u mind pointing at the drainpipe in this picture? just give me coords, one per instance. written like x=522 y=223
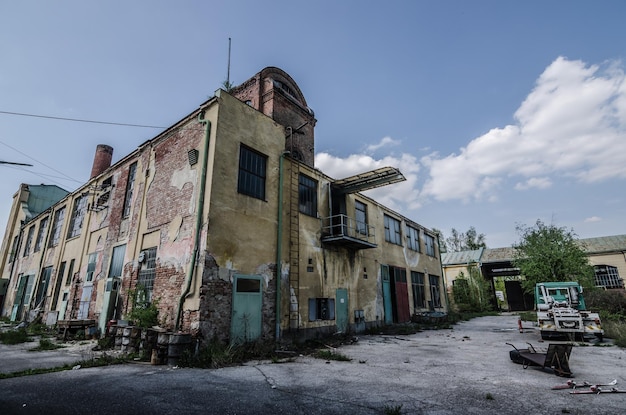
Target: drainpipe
x=279 y=243
x=199 y=214
x=443 y=274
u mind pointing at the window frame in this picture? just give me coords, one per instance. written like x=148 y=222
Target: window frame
x=41 y=233
x=413 y=238
x=418 y=289
x=435 y=290
x=147 y=272
x=607 y=276
x=395 y=236
x=252 y=174
x=128 y=194
x=29 y=240
x=78 y=215
x=57 y=226
x=429 y=242
x=321 y=309
x=360 y=217
x=307 y=195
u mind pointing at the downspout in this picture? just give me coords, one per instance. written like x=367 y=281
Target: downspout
x=443 y=274
x=199 y=215
x=279 y=244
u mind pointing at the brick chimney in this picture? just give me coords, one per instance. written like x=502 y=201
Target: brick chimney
x=101 y=160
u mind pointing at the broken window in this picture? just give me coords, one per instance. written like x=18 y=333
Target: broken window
x=252 y=173
x=57 y=224
x=147 y=272
x=435 y=291
x=417 y=285
x=130 y=185
x=70 y=271
x=392 y=231
x=14 y=247
x=91 y=266
x=607 y=276
x=78 y=214
x=29 y=240
x=413 y=238
x=41 y=234
x=321 y=309
x=307 y=195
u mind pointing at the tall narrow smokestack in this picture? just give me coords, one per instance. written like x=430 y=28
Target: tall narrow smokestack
x=101 y=160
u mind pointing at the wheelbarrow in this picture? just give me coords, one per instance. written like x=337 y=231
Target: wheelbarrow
x=555 y=359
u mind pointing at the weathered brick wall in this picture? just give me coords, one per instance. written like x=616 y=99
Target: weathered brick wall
x=215 y=303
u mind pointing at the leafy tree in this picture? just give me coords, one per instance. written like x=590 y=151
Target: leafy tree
x=442 y=243
x=465 y=241
x=549 y=253
x=472 y=292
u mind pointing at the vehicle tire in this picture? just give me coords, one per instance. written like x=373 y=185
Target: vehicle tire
x=600 y=337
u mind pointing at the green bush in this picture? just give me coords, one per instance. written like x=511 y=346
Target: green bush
x=15 y=336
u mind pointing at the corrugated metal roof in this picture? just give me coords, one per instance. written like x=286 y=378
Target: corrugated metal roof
x=462 y=257
x=615 y=243
x=498 y=255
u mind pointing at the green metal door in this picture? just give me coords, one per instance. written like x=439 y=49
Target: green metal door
x=384 y=271
x=245 y=324
x=341 y=310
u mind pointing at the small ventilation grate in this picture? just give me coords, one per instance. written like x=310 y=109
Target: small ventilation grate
x=193 y=156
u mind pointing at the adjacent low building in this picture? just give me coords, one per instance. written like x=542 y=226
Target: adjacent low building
x=607 y=254
x=223 y=222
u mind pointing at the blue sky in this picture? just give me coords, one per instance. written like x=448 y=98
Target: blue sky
x=498 y=112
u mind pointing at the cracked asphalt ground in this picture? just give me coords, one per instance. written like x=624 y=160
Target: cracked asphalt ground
x=464 y=370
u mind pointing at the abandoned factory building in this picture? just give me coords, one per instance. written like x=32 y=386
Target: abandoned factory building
x=223 y=222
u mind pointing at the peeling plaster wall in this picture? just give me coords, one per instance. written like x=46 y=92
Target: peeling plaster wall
x=242 y=230
x=358 y=271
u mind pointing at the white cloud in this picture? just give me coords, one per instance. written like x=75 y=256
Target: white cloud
x=384 y=142
x=573 y=124
x=403 y=194
x=534 y=182
x=593 y=219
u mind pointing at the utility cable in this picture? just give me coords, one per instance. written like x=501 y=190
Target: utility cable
x=79 y=120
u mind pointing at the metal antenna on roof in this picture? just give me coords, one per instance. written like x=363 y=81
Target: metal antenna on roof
x=228 y=72
x=227 y=85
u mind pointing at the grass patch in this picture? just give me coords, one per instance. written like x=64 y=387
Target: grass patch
x=489 y=397
x=15 y=337
x=330 y=355
x=45 y=344
x=103 y=360
x=528 y=316
x=217 y=354
x=615 y=330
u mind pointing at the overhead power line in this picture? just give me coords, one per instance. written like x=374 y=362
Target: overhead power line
x=21 y=114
